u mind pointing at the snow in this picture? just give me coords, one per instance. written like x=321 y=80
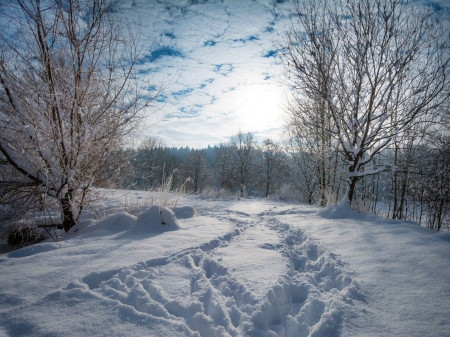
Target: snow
x=247 y=267
x=155 y=220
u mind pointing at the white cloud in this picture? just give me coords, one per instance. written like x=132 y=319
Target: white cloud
x=211 y=55
x=218 y=61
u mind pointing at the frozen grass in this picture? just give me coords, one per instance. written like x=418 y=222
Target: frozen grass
x=119 y=201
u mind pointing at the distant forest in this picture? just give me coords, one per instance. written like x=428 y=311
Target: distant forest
x=416 y=188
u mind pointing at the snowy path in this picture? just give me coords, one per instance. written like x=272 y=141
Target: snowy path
x=297 y=288
x=237 y=268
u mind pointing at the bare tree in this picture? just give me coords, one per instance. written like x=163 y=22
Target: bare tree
x=68 y=94
x=196 y=170
x=274 y=165
x=317 y=166
x=222 y=155
x=148 y=162
x=425 y=198
x=243 y=153
x=374 y=67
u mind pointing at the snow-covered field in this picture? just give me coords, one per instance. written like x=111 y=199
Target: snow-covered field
x=246 y=267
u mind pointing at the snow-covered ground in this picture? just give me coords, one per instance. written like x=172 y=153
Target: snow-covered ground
x=246 y=267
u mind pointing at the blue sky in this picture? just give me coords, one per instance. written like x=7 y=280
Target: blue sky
x=218 y=65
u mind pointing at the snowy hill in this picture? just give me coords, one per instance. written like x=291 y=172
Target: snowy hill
x=229 y=268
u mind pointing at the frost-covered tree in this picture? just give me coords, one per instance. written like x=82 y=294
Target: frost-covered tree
x=242 y=155
x=68 y=94
x=222 y=155
x=273 y=165
x=196 y=171
x=375 y=68
x=149 y=161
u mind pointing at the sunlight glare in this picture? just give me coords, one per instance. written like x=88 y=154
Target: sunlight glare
x=259 y=106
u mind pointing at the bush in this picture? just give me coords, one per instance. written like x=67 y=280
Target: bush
x=24 y=236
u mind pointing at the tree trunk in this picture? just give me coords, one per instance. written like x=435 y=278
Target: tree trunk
x=395 y=187
x=68 y=218
x=351 y=189
x=352 y=181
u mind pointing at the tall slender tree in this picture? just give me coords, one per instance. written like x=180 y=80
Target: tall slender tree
x=243 y=153
x=223 y=165
x=274 y=165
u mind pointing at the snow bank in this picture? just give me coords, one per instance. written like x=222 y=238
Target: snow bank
x=155 y=220
x=343 y=210
x=113 y=224
x=184 y=212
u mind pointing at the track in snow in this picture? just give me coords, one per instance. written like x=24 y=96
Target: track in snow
x=201 y=294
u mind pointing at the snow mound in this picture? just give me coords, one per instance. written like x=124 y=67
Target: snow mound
x=116 y=223
x=343 y=210
x=339 y=211
x=35 y=249
x=184 y=212
x=113 y=224
x=155 y=220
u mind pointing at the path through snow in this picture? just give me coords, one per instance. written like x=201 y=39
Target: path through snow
x=234 y=268
x=262 y=278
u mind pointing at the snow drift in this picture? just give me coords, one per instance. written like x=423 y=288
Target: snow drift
x=155 y=220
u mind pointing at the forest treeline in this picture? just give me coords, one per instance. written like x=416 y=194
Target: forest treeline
x=416 y=185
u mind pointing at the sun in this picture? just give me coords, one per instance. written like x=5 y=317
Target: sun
x=259 y=106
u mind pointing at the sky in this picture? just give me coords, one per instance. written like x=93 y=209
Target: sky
x=215 y=67
x=218 y=66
